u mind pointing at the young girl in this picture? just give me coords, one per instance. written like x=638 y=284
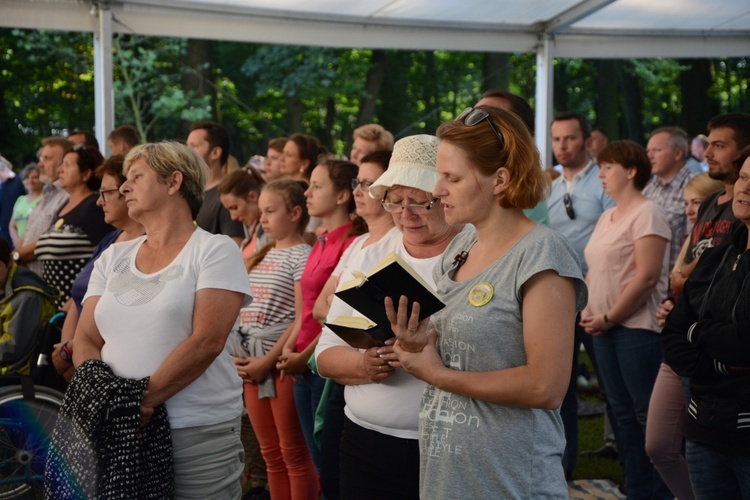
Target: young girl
x=239 y=192
x=330 y=198
x=274 y=273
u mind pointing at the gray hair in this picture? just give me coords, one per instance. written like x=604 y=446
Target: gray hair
x=678 y=139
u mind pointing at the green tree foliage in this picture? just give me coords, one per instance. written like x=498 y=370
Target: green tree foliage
x=46 y=80
x=148 y=89
x=262 y=91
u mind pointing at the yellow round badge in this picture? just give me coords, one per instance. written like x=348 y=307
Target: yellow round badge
x=60 y=223
x=480 y=294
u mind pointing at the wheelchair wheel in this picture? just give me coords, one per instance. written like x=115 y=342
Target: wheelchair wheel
x=25 y=429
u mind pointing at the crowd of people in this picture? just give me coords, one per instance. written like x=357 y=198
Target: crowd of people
x=196 y=292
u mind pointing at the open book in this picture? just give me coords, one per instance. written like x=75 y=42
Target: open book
x=391 y=277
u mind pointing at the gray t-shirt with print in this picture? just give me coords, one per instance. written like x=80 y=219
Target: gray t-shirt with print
x=470 y=448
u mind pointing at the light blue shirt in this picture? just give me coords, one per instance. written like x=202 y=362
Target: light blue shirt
x=589 y=202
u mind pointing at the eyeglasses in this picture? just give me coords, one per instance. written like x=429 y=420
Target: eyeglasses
x=364 y=183
x=568 y=202
x=473 y=116
x=104 y=193
x=416 y=208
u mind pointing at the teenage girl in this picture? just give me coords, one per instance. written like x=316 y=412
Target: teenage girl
x=329 y=197
x=239 y=192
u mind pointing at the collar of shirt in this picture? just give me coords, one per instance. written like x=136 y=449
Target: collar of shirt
x=50 y=188
x=335 y=234
x=677 y=180
x=572 y=182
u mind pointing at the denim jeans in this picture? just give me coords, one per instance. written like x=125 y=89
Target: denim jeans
x=629 y=361
x=717 y=475
x=307 y=391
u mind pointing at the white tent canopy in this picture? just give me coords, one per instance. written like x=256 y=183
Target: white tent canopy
x=550 y=28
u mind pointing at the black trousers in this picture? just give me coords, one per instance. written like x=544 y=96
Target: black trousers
x=377 y=466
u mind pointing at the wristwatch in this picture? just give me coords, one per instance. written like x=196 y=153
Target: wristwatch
x=16 y=256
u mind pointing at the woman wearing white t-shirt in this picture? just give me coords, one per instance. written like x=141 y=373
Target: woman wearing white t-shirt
x=162 y=306
x=379 y=445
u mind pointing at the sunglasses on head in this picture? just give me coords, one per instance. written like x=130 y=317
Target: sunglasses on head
x=473 y=116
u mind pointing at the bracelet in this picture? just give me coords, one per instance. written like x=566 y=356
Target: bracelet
x=65 y=353
x=606 y=320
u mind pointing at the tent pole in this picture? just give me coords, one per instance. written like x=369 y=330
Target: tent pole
x=544 y=84
x=103 y=92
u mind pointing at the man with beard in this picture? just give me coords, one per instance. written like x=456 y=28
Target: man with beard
x=576 y=201
x=728 y=135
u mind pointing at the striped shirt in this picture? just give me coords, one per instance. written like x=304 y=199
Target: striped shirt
x=66 y=247
x=272 y=283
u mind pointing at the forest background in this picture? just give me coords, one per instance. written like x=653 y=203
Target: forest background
x=260 y=91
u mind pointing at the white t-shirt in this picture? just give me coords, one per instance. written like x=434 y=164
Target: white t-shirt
x=391 y=407
x=142 y=318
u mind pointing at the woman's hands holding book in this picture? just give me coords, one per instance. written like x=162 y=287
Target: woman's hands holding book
x=410 y=332
x=426 y=364
x=374 y=364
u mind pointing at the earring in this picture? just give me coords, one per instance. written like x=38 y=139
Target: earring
x=301 y=170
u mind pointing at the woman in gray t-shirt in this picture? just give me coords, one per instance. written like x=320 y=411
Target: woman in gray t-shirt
x=497 y=357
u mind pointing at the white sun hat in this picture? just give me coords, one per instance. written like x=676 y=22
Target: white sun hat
x=413 y=164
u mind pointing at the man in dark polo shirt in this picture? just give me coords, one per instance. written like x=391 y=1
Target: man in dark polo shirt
x=211 y=142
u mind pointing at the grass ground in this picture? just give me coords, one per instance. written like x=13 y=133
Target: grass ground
x=591 y=437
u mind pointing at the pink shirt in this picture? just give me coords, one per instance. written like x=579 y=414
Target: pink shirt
x=610 y=255
x=323 y=258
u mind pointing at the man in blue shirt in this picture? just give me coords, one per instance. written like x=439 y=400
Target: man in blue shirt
x=575 y=204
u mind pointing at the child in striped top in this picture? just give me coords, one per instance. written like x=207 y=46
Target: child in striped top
x=264 y=326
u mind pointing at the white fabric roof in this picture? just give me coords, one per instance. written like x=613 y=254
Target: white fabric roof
x=579 y=28
x=550 y=28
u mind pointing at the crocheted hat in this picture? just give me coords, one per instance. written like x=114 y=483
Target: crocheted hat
x=413 y=164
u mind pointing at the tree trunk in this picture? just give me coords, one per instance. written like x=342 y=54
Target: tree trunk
x=326 y=135
x=698 y=107
x=294 y=111
x=430 y=92
x=607 y=98
x=560 y=88
x=198 y=72
x=373 y=86
x=496 y=71
x=395 y=114
x=632 y=114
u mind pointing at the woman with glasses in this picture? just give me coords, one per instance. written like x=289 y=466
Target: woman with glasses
x=115 y=211
x=66 y=247
x=379 y=450
x=496 y=360
x=628 y=266
x=330 y=198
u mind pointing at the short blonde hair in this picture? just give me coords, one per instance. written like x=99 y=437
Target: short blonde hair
x=372 y=132
x=167 y=157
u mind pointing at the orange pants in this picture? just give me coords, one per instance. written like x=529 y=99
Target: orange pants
x=291 y=473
